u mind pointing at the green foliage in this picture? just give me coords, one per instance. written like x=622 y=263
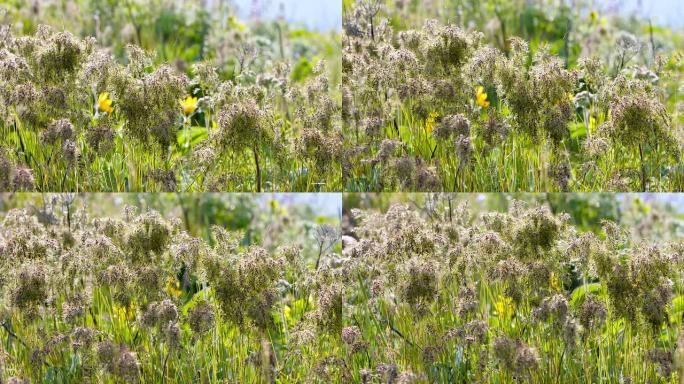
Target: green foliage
x=214 y=288
x=190 y=100
x=444 y=293
x=577 y=102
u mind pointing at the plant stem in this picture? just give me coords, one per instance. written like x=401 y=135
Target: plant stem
x=643 y=168
x=258 y=169
x=12 y=334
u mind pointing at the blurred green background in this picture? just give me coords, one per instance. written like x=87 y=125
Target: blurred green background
x=269 y=220
x=183 y=32
x=651 y=217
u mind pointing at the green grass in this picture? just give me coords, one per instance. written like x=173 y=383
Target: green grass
x=414 y=76
x=286 y=77
x=517 y=164
x=225 y=353
x=270 y=321
x=429 y=273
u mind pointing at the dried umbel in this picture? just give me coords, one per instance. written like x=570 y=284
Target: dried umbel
x=536 y=230
x=23 y=179
x=515 y=356
x=147 y=100
x=655 y=303
x=448 y=45
x=664 y=360
x=561 y=174
x=373 y=126
x=74 y=308
x=242 y=126
x=472 y=333
x=150 y=235
x=119 y=361
x=494 y=131
x=160 y=314
x=452 y=126
x=592 y=314
x=30 y=289
x=323 y=149
x=329 y=313
x=57 y=130
x=201 y=317
x=639 y=118
x=530 y=92
x=246 y=290
x=467 y=302
x=557 y=120
x=554 y=308
x=420 y=282
x=353 y=338
x=464 y=148
x=405 y=170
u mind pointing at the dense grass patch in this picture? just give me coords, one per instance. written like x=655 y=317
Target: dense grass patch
x=431 y=103
x=201 y=103
x=135 y=297
x=436 y=293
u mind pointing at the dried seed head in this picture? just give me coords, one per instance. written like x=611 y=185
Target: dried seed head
x=452 y=126
x=201 y=317
x=23 y=179
x=57 y=130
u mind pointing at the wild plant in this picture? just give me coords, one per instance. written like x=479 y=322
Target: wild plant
x=137 y=298
x=438 y=106
x=75 y=118
x=436 y=293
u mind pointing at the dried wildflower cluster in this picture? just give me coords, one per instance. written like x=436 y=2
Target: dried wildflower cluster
x=73 y=118
x=138 y=299
x=437 y=108
x=442 y=295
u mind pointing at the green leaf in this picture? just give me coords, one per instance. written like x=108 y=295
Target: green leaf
x=302 y=69
x=578 y=130
x=578 y=295
x=677 y=310
x=196 y=135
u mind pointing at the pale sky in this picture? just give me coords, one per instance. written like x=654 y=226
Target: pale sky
x=322 y=15
x=662 y=12
x=327 y=14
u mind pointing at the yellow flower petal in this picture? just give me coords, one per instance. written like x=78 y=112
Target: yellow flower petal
x=481 y=97
x=104 y=103
x=189 y=105
x=173 y=288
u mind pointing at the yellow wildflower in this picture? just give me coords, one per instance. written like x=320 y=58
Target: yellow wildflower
x=189 y=105
x=431 y=122
x=504 y=307
x=173 y=288
x=481 y=97
x=593 y=16
x=104 y=103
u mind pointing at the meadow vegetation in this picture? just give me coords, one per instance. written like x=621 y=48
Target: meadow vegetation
x=183 y=99
x=135 y=297
x=437 y=292
x=508 y=96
